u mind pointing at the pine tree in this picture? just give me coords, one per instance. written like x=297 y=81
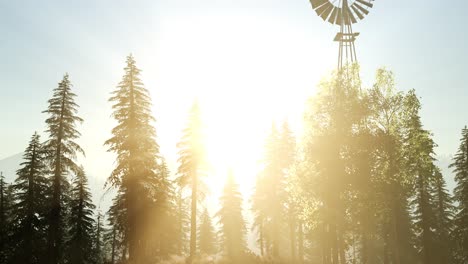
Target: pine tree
x=29 y=210
x=136 y=173
x=274 y=178
x=81 y=223
x=99 y=245
x=6 y=200
x=206 y=235
x=270 y=199
x=183 y=222
x=444 y=219
x=460 y=168
x=232 y=230
x=419 y=153
x=259 y=209
x=191 y=158
x=3 y=215
x=62 y=151
x=116 y=234
x=287 y=149
x=162 y=225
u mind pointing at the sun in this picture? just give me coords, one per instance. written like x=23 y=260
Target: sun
x=245 y=76
x=234 y=142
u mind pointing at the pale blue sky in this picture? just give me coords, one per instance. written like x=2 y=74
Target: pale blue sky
x=277 y=44
x=423 y=42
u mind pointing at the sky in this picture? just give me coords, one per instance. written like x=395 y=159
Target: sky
x=249 y=62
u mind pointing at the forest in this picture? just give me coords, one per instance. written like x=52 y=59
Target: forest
x=360 y=184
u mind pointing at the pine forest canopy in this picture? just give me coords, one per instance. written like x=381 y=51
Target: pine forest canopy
x=363 y=175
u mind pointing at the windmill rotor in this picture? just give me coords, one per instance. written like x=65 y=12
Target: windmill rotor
x=343 y=13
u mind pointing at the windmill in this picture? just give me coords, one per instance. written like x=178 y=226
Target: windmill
x=343 y=13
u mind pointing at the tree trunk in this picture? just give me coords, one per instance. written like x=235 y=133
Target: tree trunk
x=262 y=251
x=193 y=220
x=292 y=232
x=300 y=243
x=113 y=246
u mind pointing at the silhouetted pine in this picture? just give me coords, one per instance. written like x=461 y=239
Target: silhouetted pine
x=287 y=151
x=259 y=210
x=81 y=223
x=419 y=152
x=274 y=178
x=206 y=235
x=183 y=222
x=30 y=208
x=136 y=172
x=162 y=225
x=191 y=157
x=460 y=168
x=116 y=235
x=232 y=224
x=99 y=243
x=443 y=202
x=6 y=200
x=62 y=151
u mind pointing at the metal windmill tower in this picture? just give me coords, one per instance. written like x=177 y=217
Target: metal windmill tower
x=343 y=13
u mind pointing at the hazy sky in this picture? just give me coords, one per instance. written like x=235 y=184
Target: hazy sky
x=248 y=61
x=239 y=47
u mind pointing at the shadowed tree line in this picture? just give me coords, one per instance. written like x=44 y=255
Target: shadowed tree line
x=359 y=185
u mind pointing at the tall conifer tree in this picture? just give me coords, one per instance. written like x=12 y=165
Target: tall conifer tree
x=419 y=153
x=62 y=151
x=136 y=172
x=81 y=223
x=191 y=158
x=29 y=210
x=6 y=200
x=460 y=168
x=443 y=202
x=206 y=235
x=231 y=220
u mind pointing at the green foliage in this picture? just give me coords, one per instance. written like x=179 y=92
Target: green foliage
x=30 y=206
x=6 y=200
x=206 y=235
x=460 y=168
x=138 y=176
x=445 y=209
x=62 y=151
x=359 y=186
x=191 y=167
x=270 y=203
x=231 y=220
x=80 y=242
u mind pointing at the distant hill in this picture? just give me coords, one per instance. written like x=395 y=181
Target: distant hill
x=9 y=166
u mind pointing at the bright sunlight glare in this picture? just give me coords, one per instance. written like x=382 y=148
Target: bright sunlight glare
x=244 y=74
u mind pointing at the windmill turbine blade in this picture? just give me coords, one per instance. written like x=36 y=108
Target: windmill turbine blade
x=358 y=13
x=349 y=16
x=368 y=4
x=333 y=15
x=327 y=12
x=362 y=9
x=339 y=17
x=317 y=3
x=323 y=8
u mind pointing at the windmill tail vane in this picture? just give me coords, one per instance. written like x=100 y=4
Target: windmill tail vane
x=343 y=13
